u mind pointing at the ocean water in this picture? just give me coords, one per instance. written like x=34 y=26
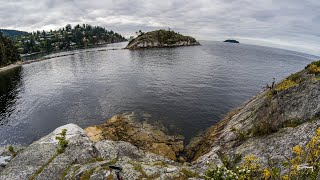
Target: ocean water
x=187 y=89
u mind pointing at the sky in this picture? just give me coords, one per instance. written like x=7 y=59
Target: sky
x=288 y=24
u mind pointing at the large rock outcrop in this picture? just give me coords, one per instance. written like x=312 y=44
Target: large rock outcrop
x=139 y=132
x=84 y=159
x=268 y=125
x=161 y=38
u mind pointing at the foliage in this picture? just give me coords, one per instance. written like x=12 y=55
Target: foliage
x=33 y=176
x=305 y=164
x=12 y=151
x=12 y=33
x=163 y=37
x=286 y=84
x=249 y=169
x=8 y=52
x=188 y=173
x=296 y=77
x=229 y=161
x=68 y=37
x=62 y=142
x=86 y=175
x=241 y=136
x=314 y=68
x=216 y=172
x=292 y=123
x=263 y=127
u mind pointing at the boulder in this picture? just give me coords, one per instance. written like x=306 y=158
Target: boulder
x=40 y=160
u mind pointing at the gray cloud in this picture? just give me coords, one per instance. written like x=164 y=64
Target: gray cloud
x=291 y=24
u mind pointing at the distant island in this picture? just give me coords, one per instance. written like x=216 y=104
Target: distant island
x=161 y=38
x=65 y=38
x=231 y=41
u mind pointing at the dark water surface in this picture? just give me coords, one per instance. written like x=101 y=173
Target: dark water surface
x=188 y=88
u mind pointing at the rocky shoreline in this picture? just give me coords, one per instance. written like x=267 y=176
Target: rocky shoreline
x=268 y=126
x=161 y=39
x=11 y=66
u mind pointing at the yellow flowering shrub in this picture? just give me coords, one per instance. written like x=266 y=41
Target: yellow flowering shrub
x=266 y=174
x=286 y=84
x=314 y=68
x=305 y=164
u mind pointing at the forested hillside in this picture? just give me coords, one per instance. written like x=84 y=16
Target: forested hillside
x=12 y=33
x=8 y=51
x=66 y=38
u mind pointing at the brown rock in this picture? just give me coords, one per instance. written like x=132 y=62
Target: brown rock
x=143 y=134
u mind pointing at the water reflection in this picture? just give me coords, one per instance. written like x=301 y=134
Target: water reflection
x=187 y=89
x=10 y=82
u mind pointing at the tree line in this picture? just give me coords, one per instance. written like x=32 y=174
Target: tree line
x=8 y=51
x=66 y=38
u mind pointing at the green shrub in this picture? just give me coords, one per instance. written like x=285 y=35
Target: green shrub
x=304 y=164
x=12 y=151
x=249 y=169
x=314 y=68
x=241 y=136
x=63 y=143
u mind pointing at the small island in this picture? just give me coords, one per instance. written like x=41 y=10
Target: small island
x=161 y=38
x=231 y=41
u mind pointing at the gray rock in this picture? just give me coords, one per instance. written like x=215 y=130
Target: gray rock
x=4 y=160
x=35 y=156
x=266 y=126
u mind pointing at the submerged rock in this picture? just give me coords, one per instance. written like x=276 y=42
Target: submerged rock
x=143 y=134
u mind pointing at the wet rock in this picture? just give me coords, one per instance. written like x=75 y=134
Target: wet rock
x=126 y=127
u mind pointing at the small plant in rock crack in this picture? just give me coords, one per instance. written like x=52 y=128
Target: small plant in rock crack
x=63 y=143
x=12 y=151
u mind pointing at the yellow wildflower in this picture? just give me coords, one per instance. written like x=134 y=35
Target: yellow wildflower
x=285 y=177
x=266 y=174
x=297 y=150
x=249 y=158
x=318 y=132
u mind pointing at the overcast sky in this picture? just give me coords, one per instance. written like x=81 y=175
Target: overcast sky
x=290 y=24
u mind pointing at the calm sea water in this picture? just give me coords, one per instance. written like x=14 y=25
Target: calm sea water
x=188 y=89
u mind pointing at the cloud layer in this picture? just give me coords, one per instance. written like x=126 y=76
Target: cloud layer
x=292 y=24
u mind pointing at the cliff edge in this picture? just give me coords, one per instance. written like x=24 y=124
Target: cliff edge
x=268 y=126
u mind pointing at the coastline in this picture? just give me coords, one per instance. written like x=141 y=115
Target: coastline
x=145 y=150
x=11 y=66
x=22 y=62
